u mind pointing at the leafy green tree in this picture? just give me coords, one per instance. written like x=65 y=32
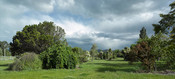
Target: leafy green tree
x=77 y=50
x=132 y=57
x=116 y=53
x=125 y=52
x=167 y=26
x=93 y=51
x=143 y=33
x=109 y=53
x=101 y=54
x=169 y=56
x=148 y=50
x=143 y=53
x=58 y=56
x=4 y=46
x=84 y=57
x=167 y=23
x=36 y=38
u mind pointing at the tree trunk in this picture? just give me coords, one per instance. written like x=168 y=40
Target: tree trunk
x=92 y=58
x=155 y=67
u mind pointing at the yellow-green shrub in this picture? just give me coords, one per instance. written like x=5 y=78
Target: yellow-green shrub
x=27 y=61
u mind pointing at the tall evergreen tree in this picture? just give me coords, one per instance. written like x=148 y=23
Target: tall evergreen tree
x=143 y=34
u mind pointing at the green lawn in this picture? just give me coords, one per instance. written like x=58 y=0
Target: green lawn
x=98 y=69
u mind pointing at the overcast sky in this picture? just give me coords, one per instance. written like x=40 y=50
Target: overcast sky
x=108 y=23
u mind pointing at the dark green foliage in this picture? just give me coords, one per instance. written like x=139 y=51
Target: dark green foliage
x=166 y=24
x=132 y=57
x=169 y=56
x=100 y=55
x=116 y=53
x=58 y=56
x=143 y=34
x=125 y=53
x=143 y=52
x=27 y=61
x=148 y=50
x=36 y=38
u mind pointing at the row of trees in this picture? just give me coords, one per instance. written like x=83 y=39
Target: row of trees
x=47 y=40
x=48 y=44
x=161 y=46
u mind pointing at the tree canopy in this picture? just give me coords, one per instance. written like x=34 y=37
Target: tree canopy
x=167 y=23
x=36 y=38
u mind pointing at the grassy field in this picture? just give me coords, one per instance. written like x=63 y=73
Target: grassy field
x=98 y=69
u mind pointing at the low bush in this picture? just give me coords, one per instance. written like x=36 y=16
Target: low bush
x=58 y=56
x=27 y=61
x=84 y=57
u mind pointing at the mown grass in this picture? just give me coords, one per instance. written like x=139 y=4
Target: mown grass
x=98 y=69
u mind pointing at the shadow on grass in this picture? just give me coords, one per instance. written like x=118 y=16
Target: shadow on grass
x=4 y=65
x=113 y=67
x=115 y=60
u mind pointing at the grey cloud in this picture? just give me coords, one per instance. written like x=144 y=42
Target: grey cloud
x=104 y=40
x=113 y=11
x=101 y=8
x=35 y=5
x=116 y=23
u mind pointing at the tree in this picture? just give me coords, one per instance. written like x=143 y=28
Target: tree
x=83 y=56
x=93 y=51
x=132 y=57
x=143 y=33
x=109 y=54
x=167 y=26
x=4 y=45
x=100 y=54
x=142 y=51
x=36 y=38
x=125 y=53
x=148 y=50
x=167 y=23
x=116 y=53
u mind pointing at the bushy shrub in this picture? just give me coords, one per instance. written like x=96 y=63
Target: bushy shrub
x=58 y=56
x=27 y=61
x=169 y=56
x=84 y=57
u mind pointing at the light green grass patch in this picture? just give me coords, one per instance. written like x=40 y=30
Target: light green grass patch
x=98 y=69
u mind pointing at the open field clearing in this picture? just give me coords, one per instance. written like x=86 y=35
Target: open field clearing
x=98 y=69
